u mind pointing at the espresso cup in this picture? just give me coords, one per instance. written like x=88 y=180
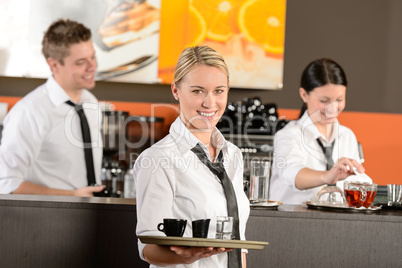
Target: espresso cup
x=359 y=194
x=200 y=228
x=173 y=227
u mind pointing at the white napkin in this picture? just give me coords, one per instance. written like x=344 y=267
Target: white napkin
x=360 y=177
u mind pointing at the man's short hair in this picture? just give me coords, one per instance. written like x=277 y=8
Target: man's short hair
x=60 y=36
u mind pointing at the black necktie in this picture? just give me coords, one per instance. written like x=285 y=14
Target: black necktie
x=328 y=153
x=86 y=137
x=217 y=168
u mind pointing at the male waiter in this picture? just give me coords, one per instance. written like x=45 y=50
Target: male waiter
x=42 y=147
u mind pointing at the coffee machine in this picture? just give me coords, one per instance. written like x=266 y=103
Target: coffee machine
x=124 y=138
x=114 y=164
x=251 y=126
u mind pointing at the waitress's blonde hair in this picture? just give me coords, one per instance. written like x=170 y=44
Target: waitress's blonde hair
x=191 y=57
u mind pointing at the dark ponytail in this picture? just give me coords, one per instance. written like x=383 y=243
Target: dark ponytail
x=302 y=110
x=319 y=73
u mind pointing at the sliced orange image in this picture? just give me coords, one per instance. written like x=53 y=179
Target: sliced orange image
x=220 y=16
x=263 y=22
x=195 y=29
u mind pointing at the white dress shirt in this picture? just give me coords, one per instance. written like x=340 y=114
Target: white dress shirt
x=296 y=147
x=173 y=183
x=42 y=140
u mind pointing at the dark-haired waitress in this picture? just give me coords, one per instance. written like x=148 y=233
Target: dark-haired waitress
x=301 y=167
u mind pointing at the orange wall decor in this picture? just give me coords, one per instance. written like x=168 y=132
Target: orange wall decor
x=379 y=133
x=250 y=35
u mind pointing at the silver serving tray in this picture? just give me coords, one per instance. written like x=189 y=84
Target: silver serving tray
x=370 y=209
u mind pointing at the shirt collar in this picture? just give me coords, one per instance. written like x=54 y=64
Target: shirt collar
x=185 y=140
x=310 y=131
x=58 y=95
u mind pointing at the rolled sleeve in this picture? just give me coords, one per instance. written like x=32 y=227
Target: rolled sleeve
x=155 y=189
x=19 y=146
x=289 y=158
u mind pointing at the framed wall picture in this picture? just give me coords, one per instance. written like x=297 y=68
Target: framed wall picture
x=139 y=41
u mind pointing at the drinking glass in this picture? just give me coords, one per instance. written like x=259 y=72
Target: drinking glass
x=224 y=227
x=259 y=180
x=394 y=192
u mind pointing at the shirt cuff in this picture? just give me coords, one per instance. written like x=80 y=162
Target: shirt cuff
x=141 y=247
x=9 y=185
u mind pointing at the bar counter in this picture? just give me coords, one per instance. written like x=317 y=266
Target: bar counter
x=58 y=231
x=303 y=237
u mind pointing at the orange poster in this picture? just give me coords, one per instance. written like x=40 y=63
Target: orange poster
x=140 y=41
x=250 y=34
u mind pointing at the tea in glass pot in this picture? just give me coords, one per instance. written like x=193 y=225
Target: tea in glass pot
x=359 y=194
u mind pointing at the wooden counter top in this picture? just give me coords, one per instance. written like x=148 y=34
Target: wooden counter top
x=302 y=212
x=65 y=201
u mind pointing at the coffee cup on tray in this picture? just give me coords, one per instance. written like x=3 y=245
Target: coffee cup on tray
x=173 y=227
x=200 y=228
